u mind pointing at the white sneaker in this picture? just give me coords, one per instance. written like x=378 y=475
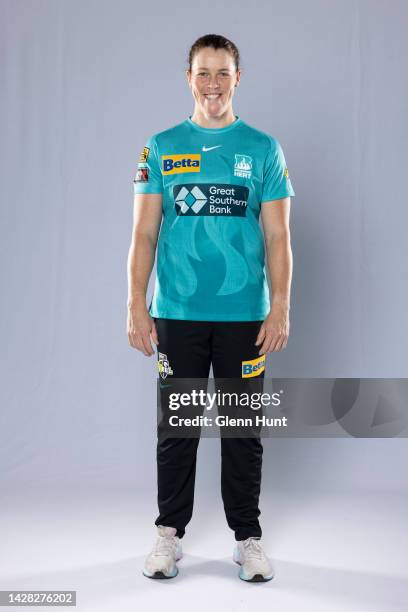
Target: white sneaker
x=161 y=562
x=255 y=565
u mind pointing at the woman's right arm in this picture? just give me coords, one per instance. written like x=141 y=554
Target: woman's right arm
x=146 y=225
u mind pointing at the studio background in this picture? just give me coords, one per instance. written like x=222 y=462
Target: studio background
x=84 y=83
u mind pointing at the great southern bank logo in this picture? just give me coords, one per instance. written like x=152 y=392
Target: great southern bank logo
x=208 y=199
x=190 y=200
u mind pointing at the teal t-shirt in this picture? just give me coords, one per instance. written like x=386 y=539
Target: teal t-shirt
x=210 y=253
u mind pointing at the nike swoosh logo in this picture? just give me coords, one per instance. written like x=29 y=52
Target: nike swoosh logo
x=211 y=148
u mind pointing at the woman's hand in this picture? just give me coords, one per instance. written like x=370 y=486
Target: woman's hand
x=140 y=326
x=274 y=332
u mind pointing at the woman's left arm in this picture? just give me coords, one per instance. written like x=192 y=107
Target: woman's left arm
x=274 y=332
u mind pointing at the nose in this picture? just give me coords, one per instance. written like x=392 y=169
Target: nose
x=213 y=82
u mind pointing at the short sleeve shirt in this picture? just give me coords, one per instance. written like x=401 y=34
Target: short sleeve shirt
x=210 y=254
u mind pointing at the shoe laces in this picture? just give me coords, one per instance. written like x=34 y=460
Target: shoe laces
x=253 y=549
x=165 y=545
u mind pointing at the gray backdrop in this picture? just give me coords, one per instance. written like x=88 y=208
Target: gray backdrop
x=83 y=84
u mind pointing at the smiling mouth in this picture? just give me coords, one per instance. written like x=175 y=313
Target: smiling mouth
x=212 y=96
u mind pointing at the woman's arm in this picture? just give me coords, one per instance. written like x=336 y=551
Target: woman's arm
x=274 y=332
x=146 y=225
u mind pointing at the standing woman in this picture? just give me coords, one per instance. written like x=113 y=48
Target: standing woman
x=207 y=180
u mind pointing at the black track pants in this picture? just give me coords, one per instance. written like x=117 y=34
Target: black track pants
x=190 y=347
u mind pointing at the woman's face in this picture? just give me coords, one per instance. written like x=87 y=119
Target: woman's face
x=212 y=80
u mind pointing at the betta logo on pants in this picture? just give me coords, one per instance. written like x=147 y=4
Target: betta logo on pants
x=253 y=367
x=209 y=199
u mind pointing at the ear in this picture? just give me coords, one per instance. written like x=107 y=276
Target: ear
x=188 y=77
x=238 y=78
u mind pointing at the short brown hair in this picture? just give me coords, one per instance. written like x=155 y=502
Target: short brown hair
x=215 y=41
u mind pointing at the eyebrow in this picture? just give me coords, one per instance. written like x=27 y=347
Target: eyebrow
x=219 y=70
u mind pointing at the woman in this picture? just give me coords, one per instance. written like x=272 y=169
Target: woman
x=207 y=180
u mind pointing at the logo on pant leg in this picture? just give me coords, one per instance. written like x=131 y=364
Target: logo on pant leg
x=163 y=366
x=254 y=367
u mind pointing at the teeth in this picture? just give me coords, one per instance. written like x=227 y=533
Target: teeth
x=212 y=96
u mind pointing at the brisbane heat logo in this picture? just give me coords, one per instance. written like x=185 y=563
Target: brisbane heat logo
x=243 y=166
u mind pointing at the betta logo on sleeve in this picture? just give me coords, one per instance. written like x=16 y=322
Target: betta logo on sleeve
x=180 y=163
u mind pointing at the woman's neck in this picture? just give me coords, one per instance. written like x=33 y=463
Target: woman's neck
x=213 y=122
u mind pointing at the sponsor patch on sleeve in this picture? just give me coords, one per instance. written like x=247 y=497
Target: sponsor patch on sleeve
x=144 y=155
x=142 y=175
